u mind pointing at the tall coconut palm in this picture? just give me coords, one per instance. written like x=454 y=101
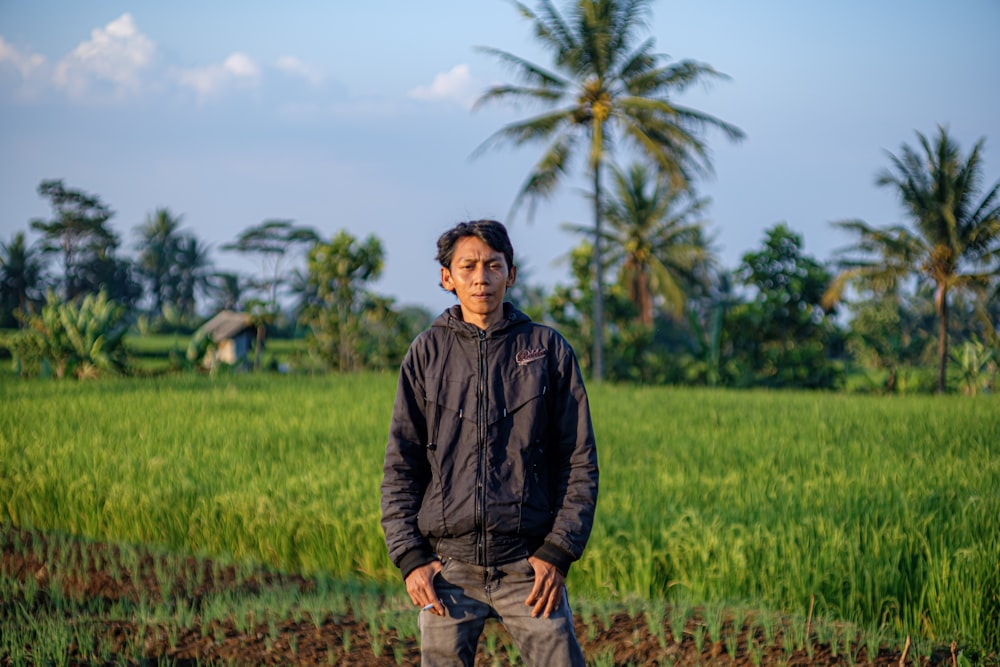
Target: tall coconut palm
x=954 y=242
x=158 y=246
x=604 y=86
x=655 y=236
x=194 y=267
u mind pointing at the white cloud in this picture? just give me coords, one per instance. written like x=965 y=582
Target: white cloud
x=26 y=64
x=295 y=67
x=116 y=56
x=456 y=85
x=242 y=66
x=212 y=79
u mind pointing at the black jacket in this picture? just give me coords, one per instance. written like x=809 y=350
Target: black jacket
x=491 y=454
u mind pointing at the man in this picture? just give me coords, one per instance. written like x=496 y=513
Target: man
x=490 y=476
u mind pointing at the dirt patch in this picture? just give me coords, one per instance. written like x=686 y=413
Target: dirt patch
x=100 y=592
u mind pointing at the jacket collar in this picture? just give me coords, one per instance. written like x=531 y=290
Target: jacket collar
x=451 y=319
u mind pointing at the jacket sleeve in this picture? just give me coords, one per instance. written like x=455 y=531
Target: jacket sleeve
x=576 y=466
x=406 y=474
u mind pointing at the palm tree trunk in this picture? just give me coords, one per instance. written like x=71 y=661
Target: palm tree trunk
x=941 y=299
x=259 y=347
x=598 y=353
x=645 y=301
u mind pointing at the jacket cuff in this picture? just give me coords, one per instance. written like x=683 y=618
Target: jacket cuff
x=414 y=558
x=560 y=558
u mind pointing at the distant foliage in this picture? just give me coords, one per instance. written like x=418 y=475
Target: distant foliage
x=349 y=327
x=784 y=337
x=974 y=365
x=80 y=339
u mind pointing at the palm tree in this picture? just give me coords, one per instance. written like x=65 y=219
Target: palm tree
x=21 y=277
x=228 y=289
x=955 y=240
x=194 y=268
x=274 y=242
x=604 y=85
x=656 y=238
x=159 y=243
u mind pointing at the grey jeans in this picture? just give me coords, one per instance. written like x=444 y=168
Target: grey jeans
x=471 y=594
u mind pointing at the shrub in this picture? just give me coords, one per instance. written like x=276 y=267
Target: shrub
x=80 y=339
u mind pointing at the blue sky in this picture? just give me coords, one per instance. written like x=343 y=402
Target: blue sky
x=357 y=116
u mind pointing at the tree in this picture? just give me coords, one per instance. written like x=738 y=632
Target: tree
x=20 y=280
x=706 y=319
x=227 y=288
x=273 y=241
x=175 y=264
x=80 y=234
x=261 y=317
x=159 y=239
x=340 y=270
x=655 y=236
x=605 y=85
x=568 y=306
x=954 y=242
x=113 y=275
x=886 y=334
x=387 y=332
x=784 y=337
x=193 y=273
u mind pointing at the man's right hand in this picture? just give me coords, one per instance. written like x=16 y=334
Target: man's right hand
x=420 y=586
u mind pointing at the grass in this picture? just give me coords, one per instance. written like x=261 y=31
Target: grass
x=151 y=354
x=885 y=511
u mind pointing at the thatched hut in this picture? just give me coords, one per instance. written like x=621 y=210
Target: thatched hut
x=232 y=336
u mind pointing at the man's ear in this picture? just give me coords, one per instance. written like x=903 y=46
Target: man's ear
x=446 y=282
x=511 y=276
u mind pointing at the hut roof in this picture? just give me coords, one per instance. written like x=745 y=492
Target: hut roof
x=226 y=324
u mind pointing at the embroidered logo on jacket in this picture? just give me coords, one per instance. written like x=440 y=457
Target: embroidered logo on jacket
x=525 y=357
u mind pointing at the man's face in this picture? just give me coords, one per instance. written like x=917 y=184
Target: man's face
x=479 y=276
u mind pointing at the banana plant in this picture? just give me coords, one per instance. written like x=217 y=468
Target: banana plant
x=81 y=338
x=971 y=363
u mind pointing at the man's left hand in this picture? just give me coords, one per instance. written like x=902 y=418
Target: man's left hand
x=547 y=592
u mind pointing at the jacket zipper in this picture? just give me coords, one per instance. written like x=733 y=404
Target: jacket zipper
x=481 y=456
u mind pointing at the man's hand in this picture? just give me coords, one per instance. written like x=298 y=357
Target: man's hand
x=420 y=586
x=547 y=592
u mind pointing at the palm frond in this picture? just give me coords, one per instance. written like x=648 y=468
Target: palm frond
x=544 y=178
x=532 y=129
x=517 y=94
x=525 y=70
x=550 y=27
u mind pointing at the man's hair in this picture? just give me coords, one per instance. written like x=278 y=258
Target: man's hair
x=490 y=232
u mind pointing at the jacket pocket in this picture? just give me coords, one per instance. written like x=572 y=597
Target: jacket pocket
x=522 y=426
x=448 y=507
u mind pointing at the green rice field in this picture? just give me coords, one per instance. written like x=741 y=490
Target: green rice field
x=882 y=512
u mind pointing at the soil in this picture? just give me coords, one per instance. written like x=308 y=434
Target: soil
x=96 y=583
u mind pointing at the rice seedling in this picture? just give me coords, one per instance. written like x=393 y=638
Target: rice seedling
x=730 y=636
x=490 y=645
x=345 y=643
x=605 y=658
x=655 y=615
x=679 y=615
x=698 y=632
x=715 y=620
